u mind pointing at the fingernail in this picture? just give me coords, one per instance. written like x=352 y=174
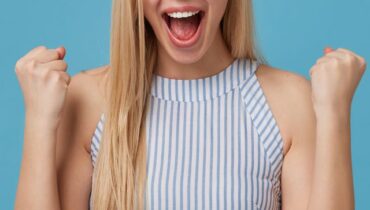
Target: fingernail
x=328 y=50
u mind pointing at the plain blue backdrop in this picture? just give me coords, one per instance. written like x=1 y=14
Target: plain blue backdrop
x=291 y=34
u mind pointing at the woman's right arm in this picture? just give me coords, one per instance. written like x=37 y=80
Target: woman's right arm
x=37 y=187
x=56 y=169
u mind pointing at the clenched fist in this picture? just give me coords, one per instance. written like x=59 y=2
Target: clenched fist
x=334 y=79
x=44 y=82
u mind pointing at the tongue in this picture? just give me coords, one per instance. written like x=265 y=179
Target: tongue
x=184 y=28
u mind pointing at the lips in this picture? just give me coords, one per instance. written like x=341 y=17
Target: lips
x=184 y=25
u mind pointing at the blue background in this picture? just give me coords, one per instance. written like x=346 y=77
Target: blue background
x=291 y=34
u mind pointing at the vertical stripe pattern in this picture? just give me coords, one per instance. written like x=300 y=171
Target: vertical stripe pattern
x=212 y=143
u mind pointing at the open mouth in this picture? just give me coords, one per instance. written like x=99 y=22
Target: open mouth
x=184 y=26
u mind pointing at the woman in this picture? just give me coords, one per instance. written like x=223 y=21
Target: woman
x=186 y=116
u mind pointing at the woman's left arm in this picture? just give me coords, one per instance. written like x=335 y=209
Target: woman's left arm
x=335 y=78
x=317 y=171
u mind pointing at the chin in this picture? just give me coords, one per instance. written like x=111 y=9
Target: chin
x=184 y=56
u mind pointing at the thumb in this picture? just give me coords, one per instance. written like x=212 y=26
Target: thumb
x=61 y=51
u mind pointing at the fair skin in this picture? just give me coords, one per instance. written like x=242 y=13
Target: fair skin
x=61 y=117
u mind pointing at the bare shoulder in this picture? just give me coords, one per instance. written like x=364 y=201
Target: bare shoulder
x=84 y=105
x=289 y=96
x=89 y=83
x=292 y=83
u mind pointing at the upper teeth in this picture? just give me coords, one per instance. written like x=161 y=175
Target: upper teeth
x=182 y=14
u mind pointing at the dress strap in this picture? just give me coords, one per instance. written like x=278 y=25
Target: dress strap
x=263 y=119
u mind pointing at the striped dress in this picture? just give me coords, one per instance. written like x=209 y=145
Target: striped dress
x=212 y=143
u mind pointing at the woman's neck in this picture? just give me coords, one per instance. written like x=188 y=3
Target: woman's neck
x=214 y=61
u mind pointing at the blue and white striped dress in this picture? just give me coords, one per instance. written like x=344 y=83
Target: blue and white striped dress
x=212 y=143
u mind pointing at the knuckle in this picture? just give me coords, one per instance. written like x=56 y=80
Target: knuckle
x=61 y=65
x=314 y=68
x=311 y=71
x=54 y=77
x=321 y=60
x=36 y=74
x=60 y=77
x=362 y=60
x=344 y=50
x=322 y=67
x=44 y=74
x=65 y=65
x=48 y=68
x=42 y=47
x=350 y=57
x=18 y=65
x=334 y=61
x=31 y=64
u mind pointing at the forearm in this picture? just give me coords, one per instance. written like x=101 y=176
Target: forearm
x=332 y=186
x=37 y=187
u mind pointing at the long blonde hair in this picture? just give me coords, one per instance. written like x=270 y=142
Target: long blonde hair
x=119 y=176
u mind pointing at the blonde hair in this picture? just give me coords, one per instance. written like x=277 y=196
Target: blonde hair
x=120 y=172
